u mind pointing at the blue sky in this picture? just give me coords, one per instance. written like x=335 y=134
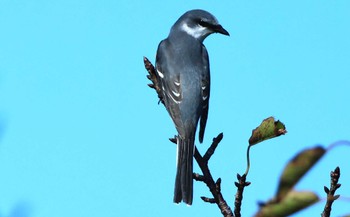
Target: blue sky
x=82 y=134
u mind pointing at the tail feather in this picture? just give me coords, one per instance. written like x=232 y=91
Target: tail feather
x=178 y=191
x=184 y=180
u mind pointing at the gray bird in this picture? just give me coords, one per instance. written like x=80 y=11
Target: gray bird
x=182 y=66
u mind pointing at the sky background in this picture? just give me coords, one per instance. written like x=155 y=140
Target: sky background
x=81 y=134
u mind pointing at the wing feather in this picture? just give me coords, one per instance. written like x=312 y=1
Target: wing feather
x=170 y=82
x=205 y=94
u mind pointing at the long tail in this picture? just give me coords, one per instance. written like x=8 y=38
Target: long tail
x=184 y=180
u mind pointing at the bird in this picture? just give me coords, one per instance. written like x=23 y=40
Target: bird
x=183 y=73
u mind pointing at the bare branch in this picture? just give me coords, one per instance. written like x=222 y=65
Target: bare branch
x=214 y=187
x=241 y=184
x=335 y=175
x=208 y=200
x=213 y=146
x=198 y=177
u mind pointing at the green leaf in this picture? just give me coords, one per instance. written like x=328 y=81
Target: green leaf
x=296 y=169
x=292 y=203
x=268 y=129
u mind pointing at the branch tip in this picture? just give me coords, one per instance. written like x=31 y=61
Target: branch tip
x=212 y=147
x=173 y=140
x=334 y=175
x=198 y=177
x=241 y=184
x=208 y=200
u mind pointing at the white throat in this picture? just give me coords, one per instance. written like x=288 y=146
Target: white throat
x=197 y=32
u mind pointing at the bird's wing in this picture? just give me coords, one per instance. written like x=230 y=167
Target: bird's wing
x=205 y=93
x=170 y=83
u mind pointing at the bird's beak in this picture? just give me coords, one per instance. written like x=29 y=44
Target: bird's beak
x=219 y=29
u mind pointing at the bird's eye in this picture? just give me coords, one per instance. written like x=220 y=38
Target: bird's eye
x=203 y=23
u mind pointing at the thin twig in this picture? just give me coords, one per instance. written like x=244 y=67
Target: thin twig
x=198 y=177
x=213 y=146
x=208 y=200
x=213 y=187
x=335 y=175
x=241 y=184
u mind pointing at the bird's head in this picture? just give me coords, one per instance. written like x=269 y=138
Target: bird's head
x=198 y=24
